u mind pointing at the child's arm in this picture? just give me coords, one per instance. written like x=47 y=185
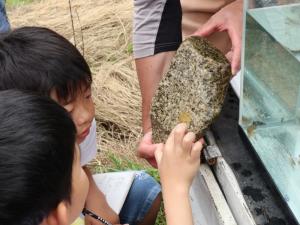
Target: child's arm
x=96 y=202
x=178 y=162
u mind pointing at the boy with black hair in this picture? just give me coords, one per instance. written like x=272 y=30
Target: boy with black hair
x=41 y=61
x=41 y=180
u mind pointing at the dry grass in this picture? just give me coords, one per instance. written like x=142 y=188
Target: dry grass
x=105 y=26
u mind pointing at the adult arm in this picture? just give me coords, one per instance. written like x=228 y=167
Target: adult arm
x=150 y=71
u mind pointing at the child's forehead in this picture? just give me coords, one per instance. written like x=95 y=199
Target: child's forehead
x=70 y=94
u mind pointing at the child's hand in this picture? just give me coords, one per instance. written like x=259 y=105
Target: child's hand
x=96 y=202
x=99 y=206
x=179 y=159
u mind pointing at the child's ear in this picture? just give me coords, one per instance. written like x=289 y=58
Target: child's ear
x=58 y=216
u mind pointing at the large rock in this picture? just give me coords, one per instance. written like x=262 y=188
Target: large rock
x=192 y=91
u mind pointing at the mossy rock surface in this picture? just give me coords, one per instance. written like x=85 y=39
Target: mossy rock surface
x=192 y=91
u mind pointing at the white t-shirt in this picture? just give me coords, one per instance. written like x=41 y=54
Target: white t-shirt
x=88 y=148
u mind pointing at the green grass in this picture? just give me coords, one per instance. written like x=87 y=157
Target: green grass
x=17 y=2
x=121 y=164
x=130 y=48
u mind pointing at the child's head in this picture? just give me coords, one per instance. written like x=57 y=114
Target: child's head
x=42 y=61
x=40 y=174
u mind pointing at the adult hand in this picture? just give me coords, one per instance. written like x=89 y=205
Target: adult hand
x=146 y=149
x=230 y=19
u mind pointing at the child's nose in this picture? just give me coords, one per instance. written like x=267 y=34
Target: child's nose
x=84 y=116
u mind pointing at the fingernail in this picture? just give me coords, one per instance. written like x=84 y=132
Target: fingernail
x=182 y=125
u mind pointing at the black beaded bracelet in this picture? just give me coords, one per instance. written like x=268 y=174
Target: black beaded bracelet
x=89 y=213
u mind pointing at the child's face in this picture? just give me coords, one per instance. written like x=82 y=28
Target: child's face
x=82 y=111
x=80 y=186
x=67 y=212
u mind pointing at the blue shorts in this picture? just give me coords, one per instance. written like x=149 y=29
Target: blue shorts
x=144 y=190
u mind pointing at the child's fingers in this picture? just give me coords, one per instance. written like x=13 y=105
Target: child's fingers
x=170 y=141
x=196 y=150
x=188 y=141
x=158 y=153
x=179 y=132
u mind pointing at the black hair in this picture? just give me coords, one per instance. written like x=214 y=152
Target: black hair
x=37 y=142
x=40 y=60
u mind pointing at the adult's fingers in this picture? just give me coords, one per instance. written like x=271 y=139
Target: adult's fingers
x=236 y=42
x=229 y=56
x=147 y=138
x=236 y=61
x=152 y=162
x=146 y=151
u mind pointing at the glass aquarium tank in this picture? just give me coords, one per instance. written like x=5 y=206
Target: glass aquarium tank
x=270 y=99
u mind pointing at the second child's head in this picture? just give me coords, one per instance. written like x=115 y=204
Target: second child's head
x=40 y=60
x=41 y=180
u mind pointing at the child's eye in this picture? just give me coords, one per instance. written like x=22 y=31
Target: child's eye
x=88 y=94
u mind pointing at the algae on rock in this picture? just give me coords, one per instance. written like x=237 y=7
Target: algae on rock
x=192 y=91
